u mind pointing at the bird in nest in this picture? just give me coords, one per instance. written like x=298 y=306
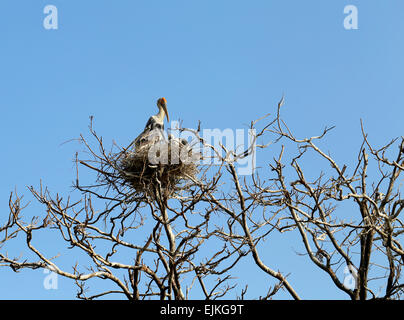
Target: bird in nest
x=154 y=129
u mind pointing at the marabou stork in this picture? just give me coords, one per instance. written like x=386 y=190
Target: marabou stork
x=154 y=129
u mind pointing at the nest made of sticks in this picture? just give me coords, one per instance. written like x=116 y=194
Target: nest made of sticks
x=159 y=166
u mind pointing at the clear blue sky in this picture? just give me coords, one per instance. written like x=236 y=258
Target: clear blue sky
x=222 y=62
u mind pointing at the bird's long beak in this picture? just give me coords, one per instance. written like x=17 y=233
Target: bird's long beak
x=166 y=112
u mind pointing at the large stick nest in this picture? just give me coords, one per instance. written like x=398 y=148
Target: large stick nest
x=160 y=166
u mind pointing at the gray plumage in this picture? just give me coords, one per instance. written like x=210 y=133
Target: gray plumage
x=154 y=129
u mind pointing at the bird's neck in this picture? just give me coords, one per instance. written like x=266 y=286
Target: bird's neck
x=160 y=115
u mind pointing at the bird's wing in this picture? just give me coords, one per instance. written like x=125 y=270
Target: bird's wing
x=149 y=136
x=148 y=127
x=142 y=136
x=153 y=124
x=149 y=124
x=153 y=131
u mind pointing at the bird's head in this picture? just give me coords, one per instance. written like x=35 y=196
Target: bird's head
x=162 y=103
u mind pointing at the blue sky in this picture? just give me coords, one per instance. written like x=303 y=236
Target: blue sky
x=222 y=62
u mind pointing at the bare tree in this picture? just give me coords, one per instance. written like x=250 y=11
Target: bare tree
x=331 y=241
x=182 y=237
